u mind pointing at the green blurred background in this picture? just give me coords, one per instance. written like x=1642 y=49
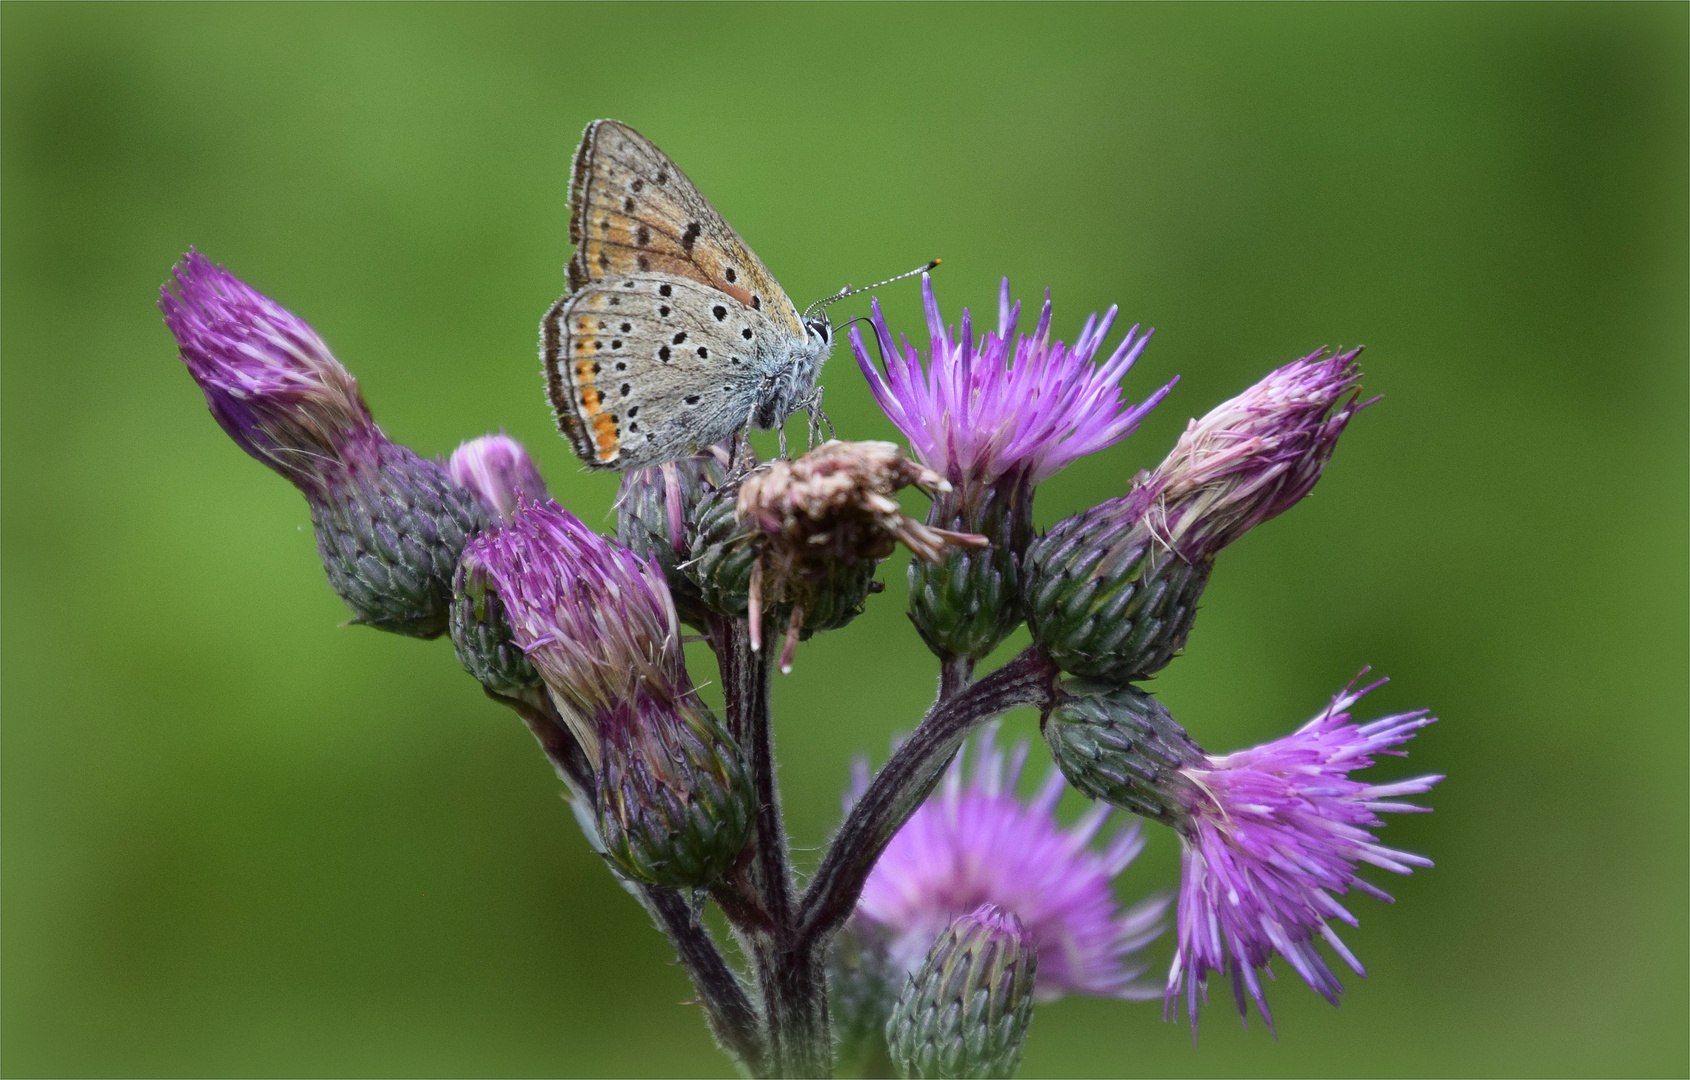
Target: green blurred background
x=240 y=839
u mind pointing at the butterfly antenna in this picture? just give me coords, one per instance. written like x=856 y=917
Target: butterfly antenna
x=848 y=291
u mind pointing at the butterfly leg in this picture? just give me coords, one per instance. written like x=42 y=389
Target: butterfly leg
x=812 y=407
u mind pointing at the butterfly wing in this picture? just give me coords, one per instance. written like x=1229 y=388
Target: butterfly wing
x=644 y=367
x=632 y=210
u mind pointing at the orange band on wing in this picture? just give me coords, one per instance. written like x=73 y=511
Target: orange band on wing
x=605 y=435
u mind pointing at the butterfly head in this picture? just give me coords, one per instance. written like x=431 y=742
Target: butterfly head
x=819 y=330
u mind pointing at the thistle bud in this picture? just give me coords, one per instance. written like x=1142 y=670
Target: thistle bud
x=965 y=1012
x=822 y=523
x=1106 y=599
x=500 y=474
x=1111 y=593
x=389 y=524
x=1254 y=457
x=655 y=518
x=497 y=470
x=675 y=799
x=967 y=603
x=1119 y=744
x=723 y=556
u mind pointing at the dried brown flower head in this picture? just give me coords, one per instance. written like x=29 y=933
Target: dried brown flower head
x=831 y=509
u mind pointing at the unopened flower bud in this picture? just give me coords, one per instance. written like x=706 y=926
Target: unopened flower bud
x=497 y=470
x=656 y=513
x=1255 y=456
x=675 y=799
x=1112 y=593
x=1119 y=744
x=823 y=522
x=389 y=524
x=1106 y=599
x=723 y=556
x=481 y=634
x=965 y=604
x=965 y=1012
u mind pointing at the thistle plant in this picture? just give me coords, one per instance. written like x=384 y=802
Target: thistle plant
x=948 y=902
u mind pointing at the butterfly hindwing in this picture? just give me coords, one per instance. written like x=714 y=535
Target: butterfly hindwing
x=632 y=210
x=644 y=367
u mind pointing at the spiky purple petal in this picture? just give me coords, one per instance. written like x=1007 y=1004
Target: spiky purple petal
x=270 y=381
x=1274 y=833
x=1256 y=455
x=597 y=621
x=981 y=408
x=975 y=842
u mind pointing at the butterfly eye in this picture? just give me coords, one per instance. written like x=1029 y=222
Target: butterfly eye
x=820 y=329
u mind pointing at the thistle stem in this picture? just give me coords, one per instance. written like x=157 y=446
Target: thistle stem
x=792 y=981
x=904 y=781
x=955 y=673
x=729 y=1011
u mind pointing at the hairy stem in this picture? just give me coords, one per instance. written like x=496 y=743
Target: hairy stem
x=955 y=673
x=904 y=781
x=762 y=902
x=728 y=1009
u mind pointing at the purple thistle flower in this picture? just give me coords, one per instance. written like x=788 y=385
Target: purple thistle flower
x=498 y=472
x=1274 y=831
x=673 y=795
x=1253 y=457
x=976 y=843
x=270 y=381
x=983 y=408
x=389 y=524
x=596 y=620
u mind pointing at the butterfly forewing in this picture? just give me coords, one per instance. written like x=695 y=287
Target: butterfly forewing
x=633 y=211
x=644 y=367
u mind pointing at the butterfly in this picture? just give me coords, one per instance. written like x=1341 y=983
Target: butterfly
x=673 y=334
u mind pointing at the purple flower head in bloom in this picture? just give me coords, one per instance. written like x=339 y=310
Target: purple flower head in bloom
x=1253 y=457
x=270 y=381
x=1274 y=831
x=498 y=472
x=974 y=842
x=1002 y=404
x=596 y=621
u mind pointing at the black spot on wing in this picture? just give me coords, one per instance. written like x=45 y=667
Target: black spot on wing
x=690 y=236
